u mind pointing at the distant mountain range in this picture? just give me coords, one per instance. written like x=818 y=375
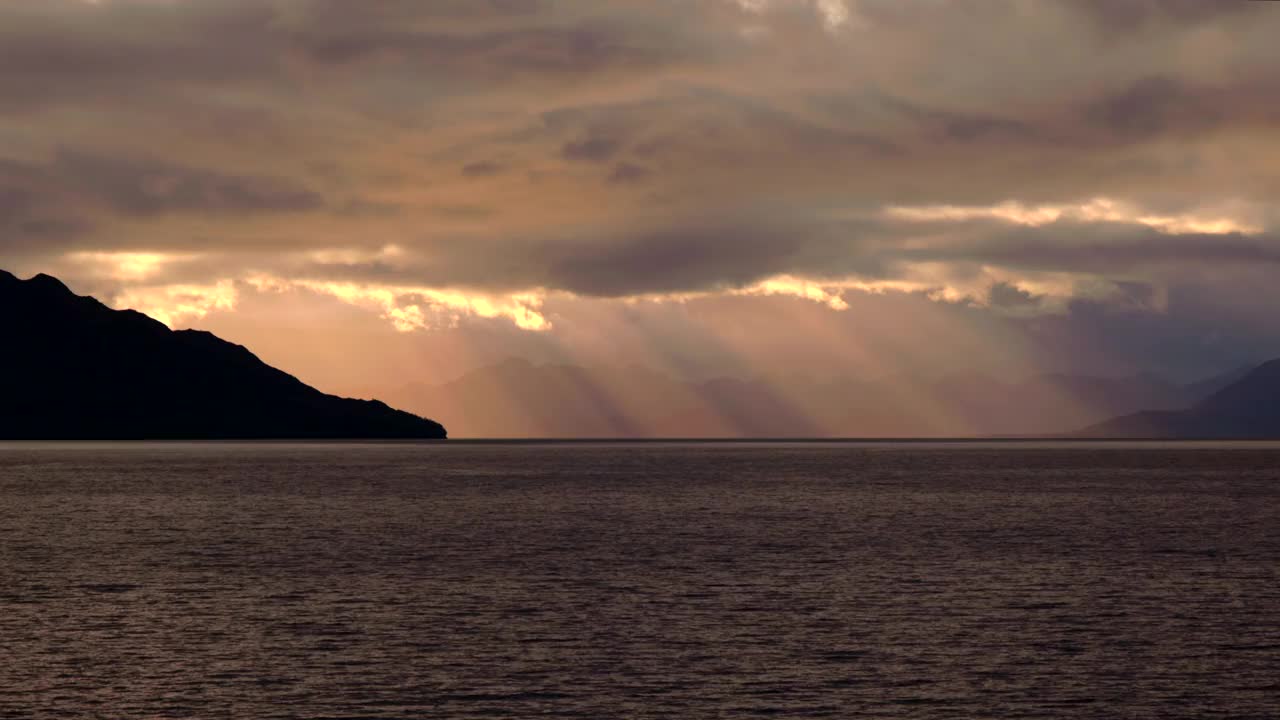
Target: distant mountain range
x=72 y=368
x=516 y=398
x=1247 y=408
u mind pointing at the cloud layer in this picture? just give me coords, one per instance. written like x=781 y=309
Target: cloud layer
x=477 y=160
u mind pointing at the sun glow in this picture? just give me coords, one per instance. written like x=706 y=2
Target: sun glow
x=127 y=266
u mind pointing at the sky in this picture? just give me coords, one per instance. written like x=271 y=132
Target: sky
x=378 y=193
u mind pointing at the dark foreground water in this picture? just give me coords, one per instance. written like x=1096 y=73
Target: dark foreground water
x=640 y=581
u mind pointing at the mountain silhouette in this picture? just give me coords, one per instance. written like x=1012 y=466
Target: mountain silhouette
x=72 y=368
x=1246 y=409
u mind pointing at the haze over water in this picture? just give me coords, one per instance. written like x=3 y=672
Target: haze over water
x=640 y=580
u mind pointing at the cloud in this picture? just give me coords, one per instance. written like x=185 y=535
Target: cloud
x=1007 y=295
x=1094 y=210
x=833 y=13
x=127 y=267
x=519 y=154
x=148 y=187
x=175 y=305
x=626 y=172
x=31 y=220
x=1155 y=105
x=595 y=149
x=483 y=168
x=1134 y=15
x=410 y=308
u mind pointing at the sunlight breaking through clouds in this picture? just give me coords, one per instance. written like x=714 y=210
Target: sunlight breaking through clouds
x=409 y=309
x=1095 y=210
x=834 y=13
x=142 y=283
x=419 y=308
x=801 y=288
x=175 y=305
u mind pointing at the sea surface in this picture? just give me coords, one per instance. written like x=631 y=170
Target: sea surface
x=648 y=580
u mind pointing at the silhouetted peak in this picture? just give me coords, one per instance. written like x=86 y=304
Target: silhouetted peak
x=212 y=343
x=1270 y=368
x=1268 y=372
x=41 y=289
x=49 y=284
x=205 y=337
x=1259 y=386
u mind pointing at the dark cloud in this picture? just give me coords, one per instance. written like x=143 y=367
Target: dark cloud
x=463 y=212
x=483 y=168
x=14 y=203
x=1130 y=15
x=1154 y=106
x=358 y=207
x=30 y=219
x=624 y=173
x=541 y=50
x=949 y=125
x=138 y=50
x=149 y=187
x=1005 y=295
x=1104 y=247
x=73 y=51
x=690 y=258
x=593 y=149
x=51 y=232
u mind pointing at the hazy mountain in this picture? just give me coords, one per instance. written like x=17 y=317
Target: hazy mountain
x=1204 y=388
x=517 y=398
x=72 y=368
x=1247 y=408
x=1052 y=403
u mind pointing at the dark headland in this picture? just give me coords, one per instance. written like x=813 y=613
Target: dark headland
x=71 y=368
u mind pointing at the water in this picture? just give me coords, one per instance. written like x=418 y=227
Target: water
x=642 y=581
